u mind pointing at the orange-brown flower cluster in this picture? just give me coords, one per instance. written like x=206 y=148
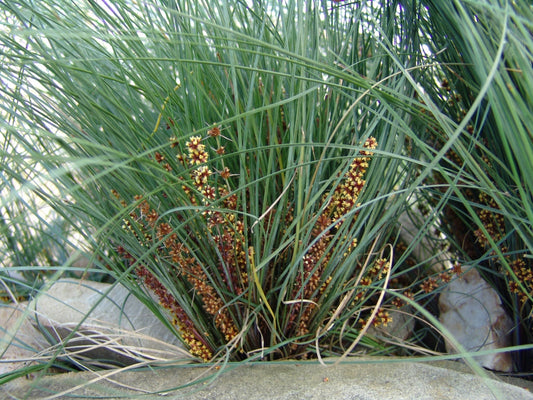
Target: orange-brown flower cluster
x=227 y=233
x=312 y=283
x=212 y=302
x=382 y=318
x=524 y=274
x=197 y=345
x=12 y=295
x=399 y=303
x=492 y=220
x=378 y=269
x=345 y=196
x=307 y=284
x=431 y=283
x=197 y=154
x=375 y=272
x=494 y=223
x=225 y=229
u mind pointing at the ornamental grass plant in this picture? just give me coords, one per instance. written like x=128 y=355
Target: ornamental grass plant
x=485 y=77
x=247 y=163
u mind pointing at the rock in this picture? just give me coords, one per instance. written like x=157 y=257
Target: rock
x=19 y=340
x=472 y=311
x=424 y=249
x=119 y=330
x=399 y=330
x=361 y=378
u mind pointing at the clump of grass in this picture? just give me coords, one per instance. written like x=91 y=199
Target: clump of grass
x=210 y=247
x=245 y=164
x=484 y=77
x=225 y=156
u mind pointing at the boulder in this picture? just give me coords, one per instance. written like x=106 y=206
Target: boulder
x=361 y=378
x=20 y=342
x=426 y=246
x=399 y=330
x=112 y=329
x=472 y=311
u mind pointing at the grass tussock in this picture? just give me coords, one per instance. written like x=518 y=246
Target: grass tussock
x=248 y=165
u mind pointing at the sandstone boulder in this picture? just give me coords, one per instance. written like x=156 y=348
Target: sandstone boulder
x=107 y=325
x=472 y=311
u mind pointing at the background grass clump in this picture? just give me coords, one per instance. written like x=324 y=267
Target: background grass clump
x=248 y=163
x=485 y=77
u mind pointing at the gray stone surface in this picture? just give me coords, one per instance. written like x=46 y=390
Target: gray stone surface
x=119 y=330
x=68 y=301
x=426 y=248
x=20 y=342
x=472 y=311
x=362 y=379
